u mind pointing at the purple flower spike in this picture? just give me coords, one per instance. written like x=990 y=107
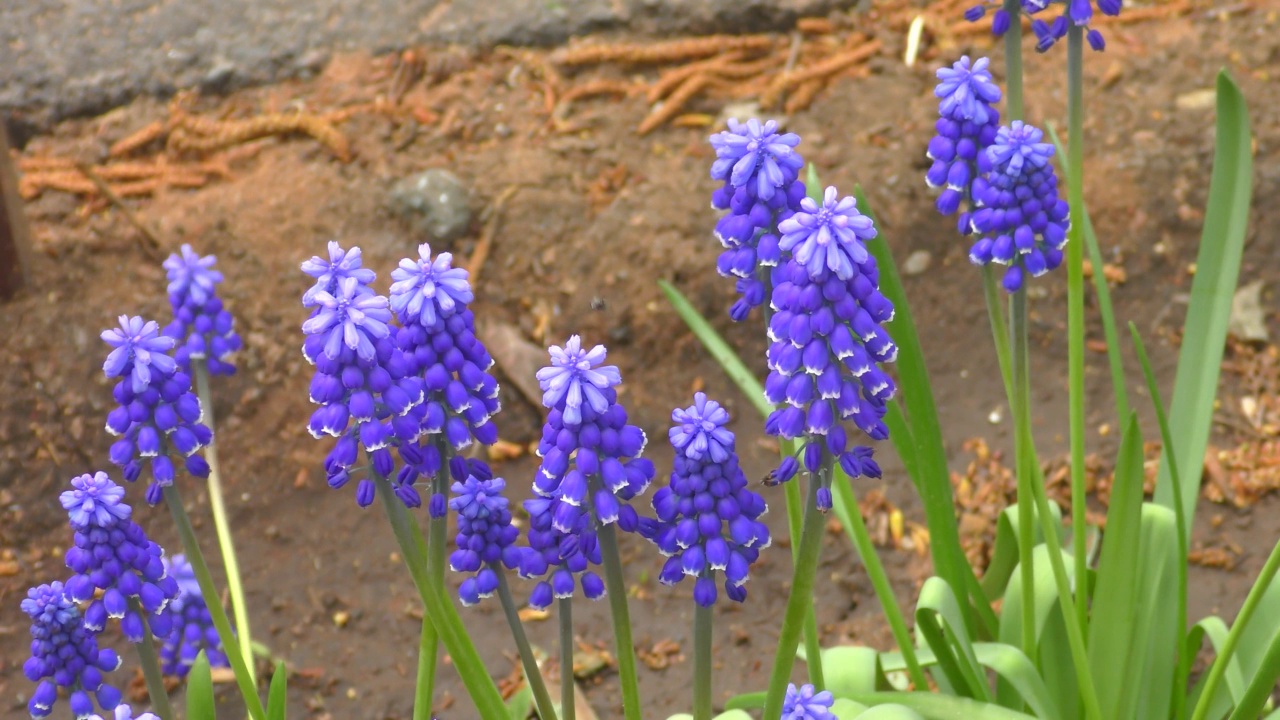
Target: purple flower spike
x=574 y=376
x=755 y=154
x=833 y=236
x=124 y=712
x=157 y=414
x=805 y=703
x=707 y=518
x=330 y=273
x=967 y=92
x=485 y=535
x=967 y=125
x=193 y=629
x=202 y=326
x=350 y=318
x=113 y=557
x=1021 y=220
x=65 y=654
x=429 y=288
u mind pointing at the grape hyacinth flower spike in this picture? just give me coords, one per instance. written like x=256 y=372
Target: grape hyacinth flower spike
x=1078 y=13
x=193 y=629
x=759 y=168
x=202 y=326
x=806 y=703
x=438 y=341
x=827 y=337
x=362 y=383
x=119 y=572
x=124 y=712
x=485 y=536
x=157 y=413
x=65 y=654
x=329 y=273
x=966 y=127
x=1021 y=221
x=708 y=520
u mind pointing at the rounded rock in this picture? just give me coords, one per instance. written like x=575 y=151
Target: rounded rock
x=434 y=202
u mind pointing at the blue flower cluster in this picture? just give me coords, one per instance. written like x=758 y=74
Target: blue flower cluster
x=1022 y=222
x=806 y=703
x=965 y=129
x=157 y=413
x=826 y=337
x=759 y=168
x=111 y=555
x=485 y=533
x=65 y=654
x=201 y=325
x=1074 y=12
x=437 y=338
x=193 y=629
x=362 y=382
x=591 y=467
x=124 y=712
x=708 y=520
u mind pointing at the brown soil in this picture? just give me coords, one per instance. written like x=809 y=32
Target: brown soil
x=598 y=215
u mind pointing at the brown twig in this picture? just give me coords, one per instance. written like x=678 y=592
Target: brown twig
x=671 y=79
x=150 y=242
x=590 y=89
x=663 y=52
x=821 y=71
x=672 y=106
x=143 y=136
x=198 y=134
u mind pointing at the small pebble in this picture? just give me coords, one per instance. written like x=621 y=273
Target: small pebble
x=917 y=262
x=435 y=203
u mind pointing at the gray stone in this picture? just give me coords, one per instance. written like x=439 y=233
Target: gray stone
x=917 y=263
x=1248 y=318
x=434 y=202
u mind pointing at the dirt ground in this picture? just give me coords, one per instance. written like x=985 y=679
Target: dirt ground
x=579 y=222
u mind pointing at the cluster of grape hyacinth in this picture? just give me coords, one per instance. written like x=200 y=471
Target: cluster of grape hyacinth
x=65 y=654
x=1021 y=221
x=362 y=381
x=966 y=127
x=827 y=336
x=485 y=535
x=157 y=413
x=1074 y=12
x=591 y=467
x=438 y=341
x=118 y=571
x=124 y=712
x=759 y=168
x=202 y=327
x=806 y=703
x=193 y=630
x=707 y=517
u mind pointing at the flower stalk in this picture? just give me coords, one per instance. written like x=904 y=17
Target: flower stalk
x=150 y=662
x=568 y=708
x=701 y=662
x=616 y=586
x=532 y=674
x=429 y=640
x=221 y=525
x=1026 y=475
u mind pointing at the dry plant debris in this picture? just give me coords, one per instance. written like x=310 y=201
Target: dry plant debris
x=662 y=655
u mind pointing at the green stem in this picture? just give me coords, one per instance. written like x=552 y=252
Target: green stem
x=429 y=640
x=1238 y=628
x=150 y=662
x=1013 y=59
x=248 y=689
x=1035 y=489
x=440 y=609
x=220 y=523
x=800 y=601
x=1075 y=307
x=568 y=705
x=1025 y=474
x=999 y=329
x=880 y=581
x=1261 y=686
x=795 y=518
x=701 y=663
x=532 y=674
x=616 y=588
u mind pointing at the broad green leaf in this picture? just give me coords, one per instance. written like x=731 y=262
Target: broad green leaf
x=746 y=701
x=891 y=711
x=940 y=624
x=851 y=670
x=1158 y=627
x=1217 y=271
x=1262 y=684
x=727 y=715
x=934 y=706
x=845 y=709
x=1114 y=653
x=1103 y=293
x=200 y=705
x=278 y=697
x=1004 y=559
x=520 y=704
x=1233 y=689
x=1249 y=655
x=925 y=445
x=1056 y=668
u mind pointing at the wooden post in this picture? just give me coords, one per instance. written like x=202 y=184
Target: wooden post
x=15 y=234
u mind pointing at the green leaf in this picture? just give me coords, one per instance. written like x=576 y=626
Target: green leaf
x=746 y=701
x=520 y=704
x=1113 y=653
x=1217 y=271
x=200 y=705
x=1216 y=631
x=1262 y=684
x=1114 y=357
x=890 y=711
x=278 y=697
x=846 y=709
x=1056 y=667
x=727 y=715
x=933 y=706
x=940 y=623
x=851 y=670
x=1004 y=559
x=924 y=446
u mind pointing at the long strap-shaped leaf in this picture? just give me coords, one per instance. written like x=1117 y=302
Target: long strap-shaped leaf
x=943 y=707
x=1217 y=270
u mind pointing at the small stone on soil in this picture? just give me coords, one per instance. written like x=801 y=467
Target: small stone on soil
x=917 y=262
x=434 y=202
